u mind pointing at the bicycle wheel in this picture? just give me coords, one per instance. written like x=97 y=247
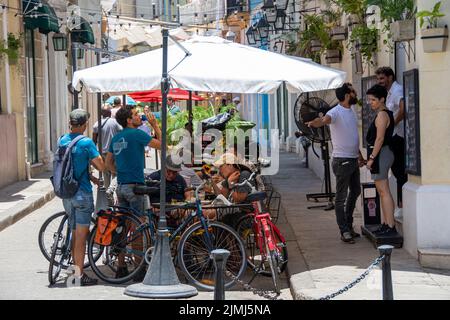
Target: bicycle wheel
x=127 y=250
x=194 y=254
x=48 y=231
x=272 y=257
x=244 y=228
x=60 y=257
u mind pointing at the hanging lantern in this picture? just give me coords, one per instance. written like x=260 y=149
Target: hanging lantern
x=250 y=36
x=263 y=28
x=280 y=20
x=59 y=42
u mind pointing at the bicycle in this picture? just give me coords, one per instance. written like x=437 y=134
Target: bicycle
x=61 y=249
x=196 y=237
x=49 y=230
x=260 y=233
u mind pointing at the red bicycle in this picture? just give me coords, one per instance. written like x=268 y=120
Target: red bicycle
x=265 y=245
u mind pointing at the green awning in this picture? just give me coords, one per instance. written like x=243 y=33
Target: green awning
x=83 y=33
x=43 y=17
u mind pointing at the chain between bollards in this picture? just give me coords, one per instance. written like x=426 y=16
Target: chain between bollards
x=220 y=257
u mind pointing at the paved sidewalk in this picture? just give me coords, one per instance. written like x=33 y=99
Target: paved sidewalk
x=21 y=198
x=320 y=263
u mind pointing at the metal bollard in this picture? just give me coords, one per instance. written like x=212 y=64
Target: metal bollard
x=386 y=250
x=220 y=257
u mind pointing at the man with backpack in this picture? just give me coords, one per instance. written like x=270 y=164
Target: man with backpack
x=71 y=181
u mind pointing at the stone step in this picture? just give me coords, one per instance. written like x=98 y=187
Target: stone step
x=435 y=258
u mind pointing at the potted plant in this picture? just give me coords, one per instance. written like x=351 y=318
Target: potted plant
x=12 y=49
x=364 y=40
x=355 y=9
x=332 y=19
x=399 y=18
x=434 y=37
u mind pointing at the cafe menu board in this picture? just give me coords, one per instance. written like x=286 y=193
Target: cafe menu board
x=412 y=124
x=367 y=114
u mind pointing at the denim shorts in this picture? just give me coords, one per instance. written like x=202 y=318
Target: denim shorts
x=80 y=208
x=127 y=198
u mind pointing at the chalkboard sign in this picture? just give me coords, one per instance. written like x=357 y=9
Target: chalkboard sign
x=412 y=124
x=367 y=115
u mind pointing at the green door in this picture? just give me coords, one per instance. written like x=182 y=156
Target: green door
x=32 y=134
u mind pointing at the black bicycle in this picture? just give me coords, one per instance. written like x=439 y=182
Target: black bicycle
x=193 y=242
x=55 y=242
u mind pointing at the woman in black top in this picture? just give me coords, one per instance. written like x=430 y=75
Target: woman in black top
x=380 y=156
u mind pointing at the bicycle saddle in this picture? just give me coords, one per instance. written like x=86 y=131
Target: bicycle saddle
x=256 y=196
x=142 y=190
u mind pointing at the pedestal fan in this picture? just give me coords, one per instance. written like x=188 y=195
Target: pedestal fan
x=308 y=107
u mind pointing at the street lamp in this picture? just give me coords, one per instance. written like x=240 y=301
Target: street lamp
x=280 y=20
x=268 y=4
x=80 y=53
x=250 y=36
x=263 y=28
x=59 y=42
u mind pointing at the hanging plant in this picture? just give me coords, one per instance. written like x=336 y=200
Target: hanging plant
x=12 y=50
x=365 y=40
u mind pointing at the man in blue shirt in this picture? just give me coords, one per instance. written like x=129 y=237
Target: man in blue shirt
x=172 y=108
x=81 y=206
x=126 y=158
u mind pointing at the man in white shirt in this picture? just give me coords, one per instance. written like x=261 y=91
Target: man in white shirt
x=116 y=107
x=347 y=158
x=395 y=103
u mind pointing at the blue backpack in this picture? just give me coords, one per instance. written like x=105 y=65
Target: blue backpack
x=63 y=180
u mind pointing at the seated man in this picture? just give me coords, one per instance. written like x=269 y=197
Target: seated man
x=232 y=171
x=175 y=184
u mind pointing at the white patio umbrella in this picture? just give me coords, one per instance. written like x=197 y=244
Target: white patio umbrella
x=215 y=65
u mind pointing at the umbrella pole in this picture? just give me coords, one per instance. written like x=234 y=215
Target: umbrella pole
x=74 y=69
x=190 y=123
x=161 y=280
x=101 y=202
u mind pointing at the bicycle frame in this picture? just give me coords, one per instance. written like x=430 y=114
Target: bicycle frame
x=265 y=230
x=152 y=216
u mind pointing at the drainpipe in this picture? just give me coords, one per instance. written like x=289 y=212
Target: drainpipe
x=7 y=78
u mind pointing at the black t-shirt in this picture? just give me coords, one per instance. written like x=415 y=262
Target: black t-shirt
x=174 y=189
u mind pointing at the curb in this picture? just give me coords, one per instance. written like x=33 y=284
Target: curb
x=22 y=210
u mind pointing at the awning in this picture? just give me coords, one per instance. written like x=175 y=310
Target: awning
x=39 y=14
x=83 y=32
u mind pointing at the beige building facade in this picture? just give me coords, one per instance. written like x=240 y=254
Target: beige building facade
x=35 y=100
x=426 y=197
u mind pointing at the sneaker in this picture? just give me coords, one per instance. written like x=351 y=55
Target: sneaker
x=121 y=272
x=139 y=277
x=381 y=228
x=347 y=237
x=389 y=232
x=87 y=281
x=354 y=233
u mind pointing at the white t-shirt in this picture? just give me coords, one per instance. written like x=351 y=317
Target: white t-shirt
x=114 y=111
x=394 y=96
x=344 y=132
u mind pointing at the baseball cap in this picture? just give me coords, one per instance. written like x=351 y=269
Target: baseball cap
x=171 y=165
x=226 y=158
x=236 y=99
x=78 y=117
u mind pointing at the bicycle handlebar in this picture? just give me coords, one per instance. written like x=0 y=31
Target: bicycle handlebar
x=246 y=182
